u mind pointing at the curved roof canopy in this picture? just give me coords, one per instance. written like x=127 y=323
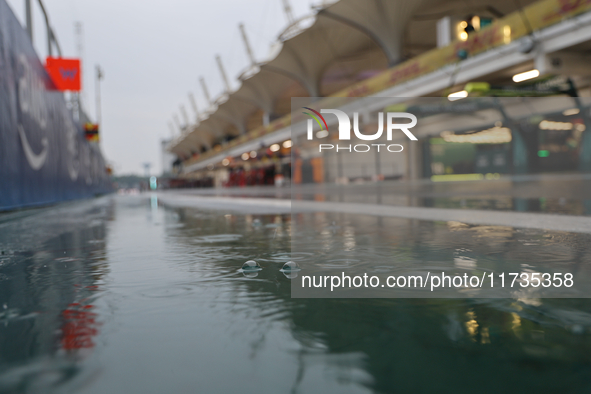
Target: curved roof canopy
x=346 y=42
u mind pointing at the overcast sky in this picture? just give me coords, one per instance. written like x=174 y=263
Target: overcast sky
x=152 y=53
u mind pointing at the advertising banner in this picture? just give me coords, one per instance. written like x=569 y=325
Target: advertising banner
x=44 y=156
x=65 y=73
x=91 y=131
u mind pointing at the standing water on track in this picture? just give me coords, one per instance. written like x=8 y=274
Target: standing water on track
x=122 y=294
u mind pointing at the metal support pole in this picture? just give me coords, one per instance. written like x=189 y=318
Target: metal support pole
x=79 y=35
x=194 y=106
x=99 y=76
x=51 y=39
x=205 y=91
x=56 y=43
x=247 y=45
x=218 y=59
x=184 y=115
x=288 y=13
x=29 y=18
x=49 y=51
x=172 y=132
x=47 y=26
x=177 y=123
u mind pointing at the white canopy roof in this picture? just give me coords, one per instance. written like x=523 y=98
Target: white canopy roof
x=346 y=42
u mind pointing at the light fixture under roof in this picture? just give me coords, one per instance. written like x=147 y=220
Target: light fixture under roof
x=551 y=125
x=571 y=111
x=494 y=135
x=457 y=95
x=524 y=76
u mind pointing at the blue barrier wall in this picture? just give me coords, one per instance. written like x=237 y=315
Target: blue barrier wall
x=44 y=157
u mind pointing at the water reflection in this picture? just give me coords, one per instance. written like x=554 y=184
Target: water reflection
x=568 y=194
x=52 y=264
x=388 y=345
x=79 y=326
x=182 y=318
x=364 y=243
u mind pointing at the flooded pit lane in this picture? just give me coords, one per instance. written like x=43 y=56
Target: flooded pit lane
x=124 y=294
x=564 y=194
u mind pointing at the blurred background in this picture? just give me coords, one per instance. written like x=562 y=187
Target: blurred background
x=152 y=55
x=443 y=51
x=157 y=292
x=206 y=102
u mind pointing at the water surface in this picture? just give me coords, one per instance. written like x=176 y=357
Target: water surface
x=122 y=294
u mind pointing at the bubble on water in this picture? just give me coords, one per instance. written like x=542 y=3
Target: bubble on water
x=290 y=274
x=250 y=274
x=290 y=266
x=251 y=266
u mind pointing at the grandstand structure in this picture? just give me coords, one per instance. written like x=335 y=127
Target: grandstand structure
x=396 y=51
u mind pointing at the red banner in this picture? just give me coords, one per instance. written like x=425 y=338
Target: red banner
x=65 y=73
